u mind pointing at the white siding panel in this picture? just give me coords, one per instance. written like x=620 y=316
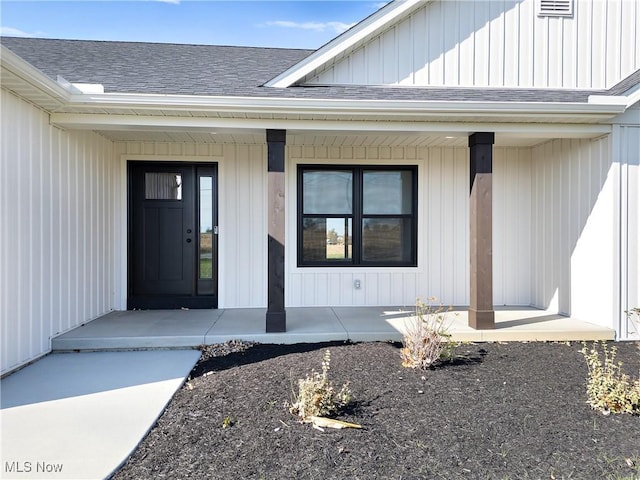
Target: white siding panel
x=511 y=43
x=496 y=43
x=435 y=31
x=526 y=43
x=481 y=10
x=630 y=221
x=405 y=56
x=359 y=67
x=56 y=258
x=465 y=46
x=573 y=215
x=512 y=224
x=419 y=33
x=628 y=54
x=500 y=44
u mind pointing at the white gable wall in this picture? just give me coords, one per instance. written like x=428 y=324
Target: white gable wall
x=489 y=43
x=57 y=267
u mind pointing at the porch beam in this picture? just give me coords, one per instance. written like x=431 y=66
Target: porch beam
x=363 y=120
x=481 y=313
x=276 y=320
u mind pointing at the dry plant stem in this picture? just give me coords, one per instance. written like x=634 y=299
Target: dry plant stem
x=426 y=340
x=316 y=395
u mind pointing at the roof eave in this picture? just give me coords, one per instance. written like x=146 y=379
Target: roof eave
x=32 y=76
x=599 y=105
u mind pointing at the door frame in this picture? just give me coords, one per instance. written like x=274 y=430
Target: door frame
x=194 y=300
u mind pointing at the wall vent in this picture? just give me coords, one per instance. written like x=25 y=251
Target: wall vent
x=555 y=8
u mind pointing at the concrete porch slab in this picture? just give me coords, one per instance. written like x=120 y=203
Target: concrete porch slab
x=190 y=328
x=528 y=324
x=304 y=325
x=140 y=329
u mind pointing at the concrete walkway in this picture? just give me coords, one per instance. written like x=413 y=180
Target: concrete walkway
x=80 y=415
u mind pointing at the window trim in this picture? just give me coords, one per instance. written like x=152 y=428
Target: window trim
x=357 y=215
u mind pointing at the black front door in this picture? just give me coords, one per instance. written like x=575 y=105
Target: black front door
x=172 y=241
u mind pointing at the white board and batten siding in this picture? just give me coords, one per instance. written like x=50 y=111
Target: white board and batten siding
x=443 y=231
x=57 y=237
x=575 y=259
x=242 y=196
x=443 y=225
x=489 y=43
x=629 y=177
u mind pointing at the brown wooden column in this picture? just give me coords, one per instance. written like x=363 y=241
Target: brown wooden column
x=276 y=320
x=481 y=314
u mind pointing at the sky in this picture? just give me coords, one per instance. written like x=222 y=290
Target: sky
x=268 y=23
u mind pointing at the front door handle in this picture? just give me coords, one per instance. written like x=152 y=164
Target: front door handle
x=188 y=240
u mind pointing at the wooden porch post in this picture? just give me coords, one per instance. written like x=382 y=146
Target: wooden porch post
x=276 y=315
x=481 y=314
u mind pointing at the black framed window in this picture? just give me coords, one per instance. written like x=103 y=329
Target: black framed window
x=357 y=215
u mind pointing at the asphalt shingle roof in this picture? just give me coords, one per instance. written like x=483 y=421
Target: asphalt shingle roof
x=130 y=67
x=160 y=68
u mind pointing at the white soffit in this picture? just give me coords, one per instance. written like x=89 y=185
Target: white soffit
x=340 y=44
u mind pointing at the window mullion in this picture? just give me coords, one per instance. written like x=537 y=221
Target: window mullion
x=357 y=216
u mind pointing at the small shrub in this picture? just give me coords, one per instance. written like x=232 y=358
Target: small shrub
x=427 y=339
x=609 y=389
x=316 y=395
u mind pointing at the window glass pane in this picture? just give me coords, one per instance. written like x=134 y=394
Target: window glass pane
x=386 y=239
x=206 y=227
x=327 y=192
x=326 y=239
x=387 y=192
x=163 y=186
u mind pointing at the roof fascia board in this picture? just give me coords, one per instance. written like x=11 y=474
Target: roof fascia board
x=154 y=122
x=340 y=44
x=624 y=100
x=32 y=75
x=337 y=106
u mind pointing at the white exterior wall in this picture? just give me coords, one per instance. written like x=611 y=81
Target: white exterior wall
x=242 y=196
x=443 y=258
x=574 y=254
x=56 y=242
x=629 y=161
x=443 y=231
x=498 y=44
x=512 y=170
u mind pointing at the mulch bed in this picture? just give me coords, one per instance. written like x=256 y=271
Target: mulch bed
x=511 y=410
